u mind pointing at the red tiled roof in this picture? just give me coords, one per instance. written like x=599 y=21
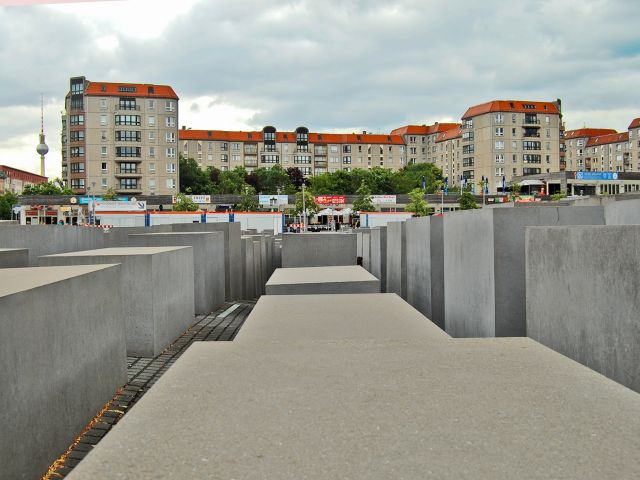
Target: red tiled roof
x=104 y=89
x=424 y=129
x=449 y=135
x=290 y=137
x=515 y=106
x=222 y=135
x=635 y=123
x=588 y=132
x=606 y=139
x=13 y=172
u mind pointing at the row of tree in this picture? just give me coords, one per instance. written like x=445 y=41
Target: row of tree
x=273 y=180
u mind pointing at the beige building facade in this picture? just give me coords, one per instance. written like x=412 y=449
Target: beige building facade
x=634 y=144
x=503 y=139
x=448 y=158
x=313 y=153
x=120 y=136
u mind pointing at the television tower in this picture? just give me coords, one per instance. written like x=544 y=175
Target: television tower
x=42 y=147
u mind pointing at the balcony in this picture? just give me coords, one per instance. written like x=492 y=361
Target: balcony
x=531 y=120
x=531 y=134
x=320 y=150
x=129 y=159
x=129 y=188
x=250 y=149
x=320 y=161
x=128 y=172
x=250 y=162
x=128 y=107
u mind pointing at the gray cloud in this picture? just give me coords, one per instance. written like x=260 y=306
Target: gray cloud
x=338 y=64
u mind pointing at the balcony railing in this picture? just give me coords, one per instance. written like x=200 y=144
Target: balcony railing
x=129 y=188
x=128 y=107
x=250 y=162
x=126 y=172
x=531 y=121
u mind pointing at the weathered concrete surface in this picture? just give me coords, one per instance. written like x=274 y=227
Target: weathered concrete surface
x=349 y=317
x=397 y=258
x=156 y=286
x=378 y=255
x=485 y=269
x=425 y=270
x=622 y=212
x=263 y=266
x=208 y=262
x=257 y=265
x=318 y=249
x=119 y=236
x=583 y=298
x=50 y=239
x=249 y=269
x=232 y=252
x=14 y=257
x=322 y=280
x=366 y=250
x=62 y=357
x=459 y=409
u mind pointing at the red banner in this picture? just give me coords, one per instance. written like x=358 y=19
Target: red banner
x=330 y=199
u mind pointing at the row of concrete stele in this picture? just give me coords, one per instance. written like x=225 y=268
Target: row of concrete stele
x=75 y=302
x=322 y=382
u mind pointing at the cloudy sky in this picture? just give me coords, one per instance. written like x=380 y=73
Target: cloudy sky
x=330 y=65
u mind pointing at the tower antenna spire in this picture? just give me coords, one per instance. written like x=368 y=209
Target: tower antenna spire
x=42 y=147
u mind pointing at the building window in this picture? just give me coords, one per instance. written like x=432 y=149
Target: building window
x=128 y=184
x=235 y=146
x=77 y=168
x=103 y=183
x=530 y=145
x=171 y=152
x=224 y=146
x=333 y=148
x=235 y=158
x=170 y=137
x=128 y=136
x=302 y=159
x=468 y=162
x=152 y=151
x=531 y=158
x=499 y=131
x=151 y=120
x=77 y=183
x=467 y=149
x=152 y=135
x=103 y=151
x=224 y=158
x=103 y=135
x=346 y=160
x=346 y=149
x=103 y=167
x=499 y=171
x=128 y=152
x=170 y=122
x=77 y=152
x=152 y=184
x=171 y=167
x=499 y=157
x=77 y=136
x=499 y=145
x=269 y=158
x=152 y=167
x=76 y=120
x=513 y=118
x=169 y=106
x=133 y=120
x=103 y=119
x=151 y=104
x=499 y=117
x=171 y=183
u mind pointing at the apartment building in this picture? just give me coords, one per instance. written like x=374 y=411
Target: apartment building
x=14 y=180
x=313 y=153
x=449 y=154
x=634 y=144
x=608 y=153
x=122 y=136
x=510 y=138
x=421 y=140
x=576 y=142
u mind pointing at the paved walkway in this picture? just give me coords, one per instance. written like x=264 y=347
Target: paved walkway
x=219 y=326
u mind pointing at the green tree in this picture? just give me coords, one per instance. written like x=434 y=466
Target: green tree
x=310 y=203
x=193 y=178
x=269 y=180
x=410 y=177
x=232 y=181
x=363 y=201
x=52 y=187
x=110 y=195
x=418 y=205
x=7 y=201
x=296 y=177
x=248 y=201
x=184 y=204
x=515 y=191
x=467 y=201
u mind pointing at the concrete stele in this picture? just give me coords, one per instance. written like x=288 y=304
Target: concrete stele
x=322 y=280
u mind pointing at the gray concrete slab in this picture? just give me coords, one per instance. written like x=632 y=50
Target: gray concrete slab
x=232 y=252
x=14 y=257
x=322 y=280
x=378 y=255
x=50 y=239
x=425 y=270
x=582 y=296
x=466 y=409
x=349 y=317
x=397 y=259
x=622 y=212
x=366 y=250
x=249 y=269
x=318 y=249
x=156 y=285
x=208 y=262
x=484 y=264
x=257 y=266
x=119 y=236
x=62 y=357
